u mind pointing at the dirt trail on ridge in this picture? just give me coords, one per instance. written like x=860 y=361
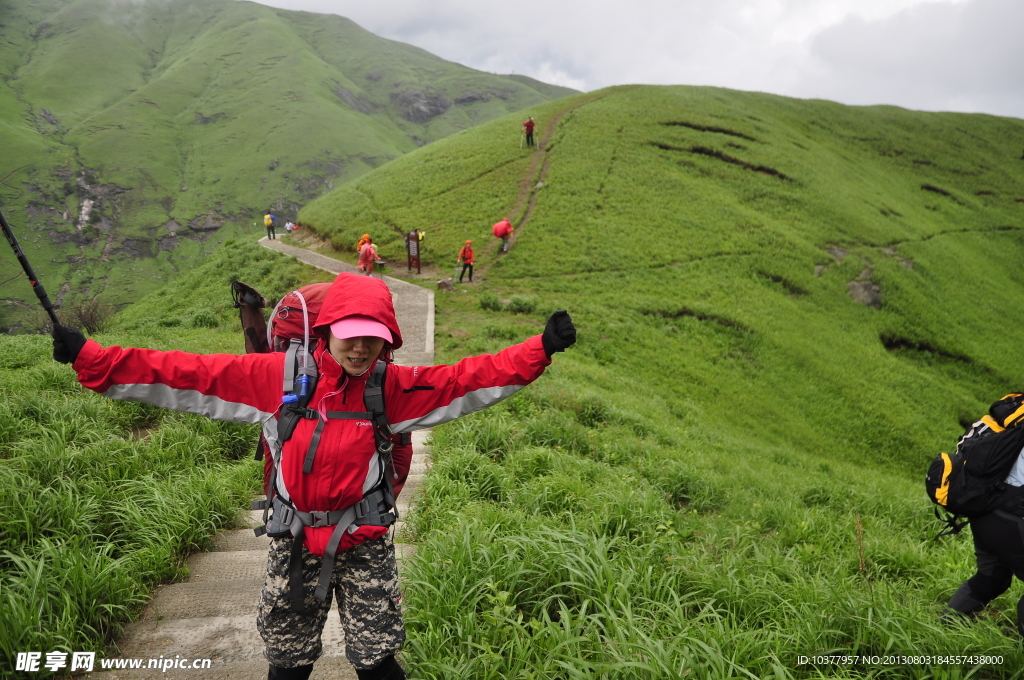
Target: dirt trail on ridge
x=532 y=182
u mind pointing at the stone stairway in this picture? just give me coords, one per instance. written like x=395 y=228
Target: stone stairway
x=212 y=615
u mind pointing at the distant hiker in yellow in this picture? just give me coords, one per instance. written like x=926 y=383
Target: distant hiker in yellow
x=268 y=222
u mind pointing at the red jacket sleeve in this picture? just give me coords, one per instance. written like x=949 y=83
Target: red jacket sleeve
x=424 y=396
x=243 y=388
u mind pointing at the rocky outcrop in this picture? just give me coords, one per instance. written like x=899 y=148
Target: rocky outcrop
x=472 y=98
x=417 y=106
x=203 y=120
x=865 y=291
x=362 y=104
x=208 y=222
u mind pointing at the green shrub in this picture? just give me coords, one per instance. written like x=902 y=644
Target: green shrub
x=490 y=302
x=522 y=304
x=205 y=318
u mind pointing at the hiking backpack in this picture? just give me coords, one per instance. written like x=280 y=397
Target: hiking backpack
x=971 y=481
x=289 y=332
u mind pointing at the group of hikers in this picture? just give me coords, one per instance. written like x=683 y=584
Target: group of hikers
x=502 y=230
x=368 y=256
x=270 y=222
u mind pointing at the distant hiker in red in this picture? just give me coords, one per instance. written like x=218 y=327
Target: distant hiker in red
x=528 y=129
x=367 y=256
x=466 y=258
x=503 y=230
x=363 y=240
x=332 y=486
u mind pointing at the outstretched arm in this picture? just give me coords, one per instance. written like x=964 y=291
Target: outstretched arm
x=239 y=388
x=422 y=397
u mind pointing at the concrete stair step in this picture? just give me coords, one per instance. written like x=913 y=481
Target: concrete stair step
x=241 y=539
x=204 y=599
x=403 y=358
x=228 y=566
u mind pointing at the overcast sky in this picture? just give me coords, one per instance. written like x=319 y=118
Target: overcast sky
x=937 y=55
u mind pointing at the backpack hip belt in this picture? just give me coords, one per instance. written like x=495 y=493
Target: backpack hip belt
x=289 y=521
x=373 y=509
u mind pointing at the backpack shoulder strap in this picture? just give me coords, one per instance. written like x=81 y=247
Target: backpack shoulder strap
x=373 y=400
x=373 y=394
x=291 y=364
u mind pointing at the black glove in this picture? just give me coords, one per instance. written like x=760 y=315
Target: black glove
x=559 y=333
x=67 y=343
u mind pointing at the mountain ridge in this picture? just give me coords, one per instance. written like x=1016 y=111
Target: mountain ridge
x=139 y=131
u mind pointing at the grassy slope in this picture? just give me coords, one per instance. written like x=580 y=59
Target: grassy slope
x=710 y=266
x=756 y=418
x=188 y=111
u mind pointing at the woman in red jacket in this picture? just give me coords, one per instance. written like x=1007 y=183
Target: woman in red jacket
x=331 y=465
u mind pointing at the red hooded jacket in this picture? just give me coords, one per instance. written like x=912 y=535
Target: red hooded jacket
x=502 y=229
x=248 y=389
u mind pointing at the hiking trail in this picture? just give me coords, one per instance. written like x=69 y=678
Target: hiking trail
x=212 y=615
x=532 y=182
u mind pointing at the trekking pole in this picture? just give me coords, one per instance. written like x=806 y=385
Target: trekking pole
x=29 y=272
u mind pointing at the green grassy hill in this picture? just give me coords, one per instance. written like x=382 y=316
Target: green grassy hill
x=786 y=308
x=722 y=476
x=709 y=240
x=136 y=132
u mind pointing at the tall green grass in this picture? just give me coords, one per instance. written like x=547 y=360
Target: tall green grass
x=101 y=500
x=579 y=532
x=93 y=512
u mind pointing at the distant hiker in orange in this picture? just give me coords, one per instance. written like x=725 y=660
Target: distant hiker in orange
x=528 y=129
x=367 y=256
x=503 y=230
x=363 y=240
x=466 y=258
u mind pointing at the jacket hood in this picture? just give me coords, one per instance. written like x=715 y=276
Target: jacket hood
x=352 y=294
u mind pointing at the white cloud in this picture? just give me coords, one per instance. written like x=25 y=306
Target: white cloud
x=917 y=53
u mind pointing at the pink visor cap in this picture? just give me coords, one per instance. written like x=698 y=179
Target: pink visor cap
x=360 y=326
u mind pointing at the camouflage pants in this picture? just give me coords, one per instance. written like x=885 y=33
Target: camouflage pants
x=365 y=584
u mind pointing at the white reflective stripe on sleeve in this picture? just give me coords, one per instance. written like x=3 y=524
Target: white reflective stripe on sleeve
x=190 y=401
x=270 y=434
x=464 y=405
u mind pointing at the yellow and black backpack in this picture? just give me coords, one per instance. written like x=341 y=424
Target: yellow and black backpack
x=971 y=481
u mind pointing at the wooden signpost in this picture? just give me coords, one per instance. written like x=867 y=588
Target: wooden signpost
x=412 y=247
